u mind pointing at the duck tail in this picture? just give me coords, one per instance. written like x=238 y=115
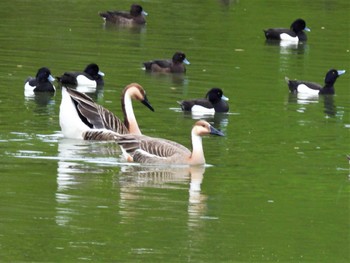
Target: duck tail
x=28 y=79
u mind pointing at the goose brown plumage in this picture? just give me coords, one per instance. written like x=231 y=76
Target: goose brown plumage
x=82 y=118
x=149 y=150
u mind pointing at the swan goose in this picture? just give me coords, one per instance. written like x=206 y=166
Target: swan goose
x=81 y=118
x=148 y=150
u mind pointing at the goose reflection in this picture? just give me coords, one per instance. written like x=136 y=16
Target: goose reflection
x=133 y=180
x=73 y=156
x=76 y=158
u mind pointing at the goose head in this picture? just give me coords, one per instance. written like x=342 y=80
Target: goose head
x=131 y=92
x=202 y=128
x=136 y=92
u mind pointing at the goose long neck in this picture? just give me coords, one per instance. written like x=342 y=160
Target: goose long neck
x=197 y=156
x=129 y=116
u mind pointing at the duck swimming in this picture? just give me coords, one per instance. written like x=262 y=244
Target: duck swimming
x=175 y=65
x=312 y=88
x=90 y=77
x=214 y=101
x=136 y=15
x=295 y=33
x=41 y=82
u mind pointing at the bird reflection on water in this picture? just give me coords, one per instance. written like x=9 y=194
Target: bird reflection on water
x=76 y=158
x=134 y=180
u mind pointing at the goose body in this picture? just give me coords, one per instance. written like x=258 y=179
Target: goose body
x=148 y=150
x=136 y=16
x=174 y=65
x=41 y=82
x=82 y=118
x=295 y=33
x=312 y=88
x=90 y=77
x=214 y=101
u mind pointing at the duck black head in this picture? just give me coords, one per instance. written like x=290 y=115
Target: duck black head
x=180 y=57
x=44 y=74
x=332 y=76
x=299 y=25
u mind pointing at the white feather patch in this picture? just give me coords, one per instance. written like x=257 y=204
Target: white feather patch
x=196 y=109
x=84 y=81
x=70 y=122
x=302 y=88
x=287 y=37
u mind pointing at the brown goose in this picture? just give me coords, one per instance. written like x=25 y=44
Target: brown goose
x=82 y=118
x=148 y=150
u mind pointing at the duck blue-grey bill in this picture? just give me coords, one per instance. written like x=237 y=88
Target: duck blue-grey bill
x=186 y=61
x=50 y=78
x=224 y=98
x=341 y=72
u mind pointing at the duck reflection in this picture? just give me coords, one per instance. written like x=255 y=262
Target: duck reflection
x=131 y=28
x=134 y=178
x=329 y=107
x=287 y=47
x=227 y=3
x=286 y=50
x=178 y=79
x=40 y=98
x=42 y=103
x=302 y=98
